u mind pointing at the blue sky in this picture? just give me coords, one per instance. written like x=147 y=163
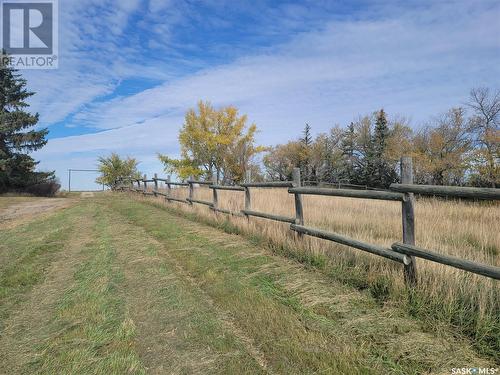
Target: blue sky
x=129 y=69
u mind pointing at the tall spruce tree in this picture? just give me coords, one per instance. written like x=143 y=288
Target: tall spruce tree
x=17 y=138
x=348 y=147
x=380 y=135
x=306 y=142
x=382 y=173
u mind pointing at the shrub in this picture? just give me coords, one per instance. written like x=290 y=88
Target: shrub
x=44 y=189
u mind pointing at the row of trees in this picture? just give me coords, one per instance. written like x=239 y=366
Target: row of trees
x=364 y=154
x=460 y=147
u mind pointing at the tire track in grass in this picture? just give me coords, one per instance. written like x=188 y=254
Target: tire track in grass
x=90 y=332
x=179 y=329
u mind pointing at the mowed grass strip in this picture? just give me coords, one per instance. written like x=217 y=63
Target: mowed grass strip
x=178 y=331
x=350 y=332
x=122 y=309
x=90 y=332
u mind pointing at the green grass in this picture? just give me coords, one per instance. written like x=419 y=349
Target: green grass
x=111 y=287
x=90 y=328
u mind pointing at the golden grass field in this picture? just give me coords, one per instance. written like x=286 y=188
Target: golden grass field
x=469 y=230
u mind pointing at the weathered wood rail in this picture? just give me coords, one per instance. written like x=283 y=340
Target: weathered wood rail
x=404 y=252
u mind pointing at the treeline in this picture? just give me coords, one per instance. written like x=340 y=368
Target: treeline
x=460 y=147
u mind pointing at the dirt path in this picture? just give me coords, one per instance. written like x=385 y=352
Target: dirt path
x=16 y=214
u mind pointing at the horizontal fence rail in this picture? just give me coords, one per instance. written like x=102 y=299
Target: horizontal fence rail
x=160 y=193
x=221 y=187
x=224 y=211
x=366 y=194
x=272 y=184
x=344 y=240
x=404 y=252
x=200 y=182
x=269 y=216
x=180 y=200
x=206 y=203
x=463 y=264
x=449 y=191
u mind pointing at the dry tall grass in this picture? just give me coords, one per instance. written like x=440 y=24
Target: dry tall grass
x=467 y=230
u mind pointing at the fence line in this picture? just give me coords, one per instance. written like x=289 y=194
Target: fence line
x=404 y=253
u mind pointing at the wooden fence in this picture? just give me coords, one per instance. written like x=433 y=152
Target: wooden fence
x=403 y=252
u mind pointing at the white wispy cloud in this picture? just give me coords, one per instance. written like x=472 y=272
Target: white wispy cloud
x=359 y=59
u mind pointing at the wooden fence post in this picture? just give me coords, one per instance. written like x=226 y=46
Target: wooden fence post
x=168 y=192
x=299 y=212
x=155 y=179
x=191 y=190
x=248 y=197
x=408 y=216
x=215 y=196
x=145 y=183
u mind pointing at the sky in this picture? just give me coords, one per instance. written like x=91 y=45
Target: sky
x=130 y=69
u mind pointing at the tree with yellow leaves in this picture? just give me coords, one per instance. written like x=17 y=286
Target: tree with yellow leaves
x=214 y=143
x=442 y=152
x=281 y=159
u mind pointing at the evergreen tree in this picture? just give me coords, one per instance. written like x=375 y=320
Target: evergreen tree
x=306 y=142
x=17 y=138
x=379 y=172
x=307 y=138
x=348 y=148
x=326 y=171
x=380 y=135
